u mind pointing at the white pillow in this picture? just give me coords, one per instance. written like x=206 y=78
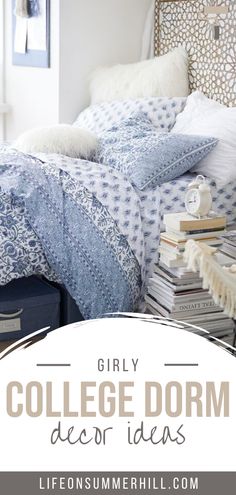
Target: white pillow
x=161 y=76
x=208 y=118
x=62 y=138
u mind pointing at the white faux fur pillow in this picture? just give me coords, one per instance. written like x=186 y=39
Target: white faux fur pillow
x=62 y=138
x=161 y=76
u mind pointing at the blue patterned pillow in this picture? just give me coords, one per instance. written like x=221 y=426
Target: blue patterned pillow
x=161 y=111
x=148 y=157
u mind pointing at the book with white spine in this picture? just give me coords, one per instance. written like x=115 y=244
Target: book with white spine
x=188 y=310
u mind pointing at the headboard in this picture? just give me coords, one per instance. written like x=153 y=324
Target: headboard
x=207 y=28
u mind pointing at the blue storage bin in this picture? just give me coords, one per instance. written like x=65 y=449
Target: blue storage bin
x=70 y=312
x=27 y=305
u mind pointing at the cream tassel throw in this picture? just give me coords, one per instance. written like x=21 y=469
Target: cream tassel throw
x=220 y=281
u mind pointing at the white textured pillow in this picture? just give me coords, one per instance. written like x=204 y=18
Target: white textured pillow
x=62 y=138
x=161 y=76
x=208 y=118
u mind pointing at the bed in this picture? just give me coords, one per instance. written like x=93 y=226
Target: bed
x=86 y=227
x=84 y=224
x=80 y=223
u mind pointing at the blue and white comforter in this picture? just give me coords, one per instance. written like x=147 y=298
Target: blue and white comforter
x=48 y=218
x=85 y=225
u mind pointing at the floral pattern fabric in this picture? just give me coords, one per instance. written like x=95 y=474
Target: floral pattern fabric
x=75 y=234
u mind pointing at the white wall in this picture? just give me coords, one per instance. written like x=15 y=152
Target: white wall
x=33 y=93
x=93 y=33
x=84 y=34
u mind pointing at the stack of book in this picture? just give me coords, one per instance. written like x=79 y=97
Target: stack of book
x=180 y=227
x=229 y=244
x=174 y=291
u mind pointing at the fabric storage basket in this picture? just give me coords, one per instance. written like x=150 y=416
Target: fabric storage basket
x=70 y=312
x=27 y=305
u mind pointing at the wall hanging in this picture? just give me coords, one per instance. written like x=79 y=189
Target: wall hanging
x=31 y=32
x=207 y=28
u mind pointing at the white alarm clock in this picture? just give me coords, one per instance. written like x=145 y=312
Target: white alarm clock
x=198 y=199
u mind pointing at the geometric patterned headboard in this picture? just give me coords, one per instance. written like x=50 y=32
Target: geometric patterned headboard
x=207 y=28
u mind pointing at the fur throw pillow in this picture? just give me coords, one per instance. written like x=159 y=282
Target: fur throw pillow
x=161 y=76
x=62 y=138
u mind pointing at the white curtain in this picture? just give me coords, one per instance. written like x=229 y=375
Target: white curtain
x=148 y=34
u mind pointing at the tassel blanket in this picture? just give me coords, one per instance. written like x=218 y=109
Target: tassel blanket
x=220 y=281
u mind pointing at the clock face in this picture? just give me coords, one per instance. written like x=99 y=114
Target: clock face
x=192 y=202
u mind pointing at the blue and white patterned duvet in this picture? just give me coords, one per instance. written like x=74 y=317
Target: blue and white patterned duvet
x=82 y=236
x=85 y=225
